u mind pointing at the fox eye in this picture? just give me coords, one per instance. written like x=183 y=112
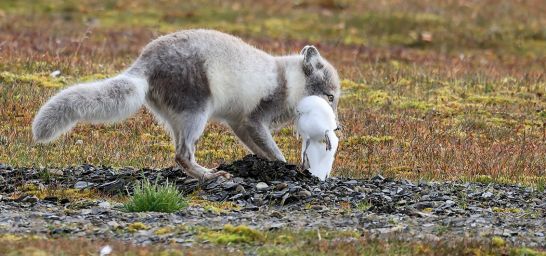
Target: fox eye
x=330 y=97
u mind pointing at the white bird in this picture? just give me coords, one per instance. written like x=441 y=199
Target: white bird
x=316 y=123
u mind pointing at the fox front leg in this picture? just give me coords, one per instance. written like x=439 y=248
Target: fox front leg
x=261 y=138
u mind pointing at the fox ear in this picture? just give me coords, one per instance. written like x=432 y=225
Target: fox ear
x=309 y=52
x=311 y=58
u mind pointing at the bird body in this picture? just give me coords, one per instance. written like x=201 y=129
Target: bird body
x=316 y=123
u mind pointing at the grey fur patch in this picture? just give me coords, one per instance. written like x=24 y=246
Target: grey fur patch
x=272 y=107
x=179 y=82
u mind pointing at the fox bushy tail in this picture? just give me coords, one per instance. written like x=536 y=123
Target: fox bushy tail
x=103 y=101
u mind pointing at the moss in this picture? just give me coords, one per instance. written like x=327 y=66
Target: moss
x=497 y=241
x=492 y=100
x=172 y=252
x=233 y=235
x=506 y=210
x=363 y=206
x=414 y=104
x=136 y=226
x=378 y=97
x=484 y=179
x=367 y=140
x=214 y=207
x=427 y=210
x=524 y=251
x=349 y=84
x=10 y=237
x=33 y=79
x=60 y=193
x=163 y=231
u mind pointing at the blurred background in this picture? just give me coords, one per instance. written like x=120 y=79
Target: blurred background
x=432 y=89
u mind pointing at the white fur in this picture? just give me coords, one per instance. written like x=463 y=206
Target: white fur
x=316 y=121
x=81 y=103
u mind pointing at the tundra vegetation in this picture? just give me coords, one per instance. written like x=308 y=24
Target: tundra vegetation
x=435 y=90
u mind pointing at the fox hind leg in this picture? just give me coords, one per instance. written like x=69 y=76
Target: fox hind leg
x=187 y=130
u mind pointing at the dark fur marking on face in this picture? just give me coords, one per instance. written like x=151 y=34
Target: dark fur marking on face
x=179 y=82
x=275 y=102
x=319 y=66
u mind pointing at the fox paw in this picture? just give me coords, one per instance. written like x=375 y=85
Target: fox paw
x=216 y=174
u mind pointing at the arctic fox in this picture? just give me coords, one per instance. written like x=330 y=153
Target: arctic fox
x=316 y=124
x=188 y=77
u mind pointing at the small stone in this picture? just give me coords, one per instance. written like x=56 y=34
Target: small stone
x=258 y=201
x=56 y=172
x=82 y=184
x=276 y=214
x=51 y=198
x=508 y=233
x=55 y=73
x=261 y=186
x=86 y=211
x=487 y=195
x=105 y=205
x=28 y=199
x=378 y=178
x=79 y=142
x=351 y=182
x=449 y=203
x=113 y=224
x=423 y=205
x=275 y=226
x=212 y=184
x=283 y=200
x=281 y=186
x=229 y=185
x=240 y=189
x=304 y=193
x=236 y=196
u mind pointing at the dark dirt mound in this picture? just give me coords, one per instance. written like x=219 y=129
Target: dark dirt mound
x=252 y=166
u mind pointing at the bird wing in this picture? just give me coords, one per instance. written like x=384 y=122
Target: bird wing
x=315 y=154
x=329 y=155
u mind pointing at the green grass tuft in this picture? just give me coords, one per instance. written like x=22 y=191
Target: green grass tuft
x=150 y=197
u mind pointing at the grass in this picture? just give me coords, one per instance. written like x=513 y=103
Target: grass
x=153 y=197
x=283 y=242
x=431 y=89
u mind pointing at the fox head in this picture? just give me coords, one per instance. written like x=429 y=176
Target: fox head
x=321 y=78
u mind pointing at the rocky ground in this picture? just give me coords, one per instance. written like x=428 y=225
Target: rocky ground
x=267 y=196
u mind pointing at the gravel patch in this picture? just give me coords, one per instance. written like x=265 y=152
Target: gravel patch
x=275 y=195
